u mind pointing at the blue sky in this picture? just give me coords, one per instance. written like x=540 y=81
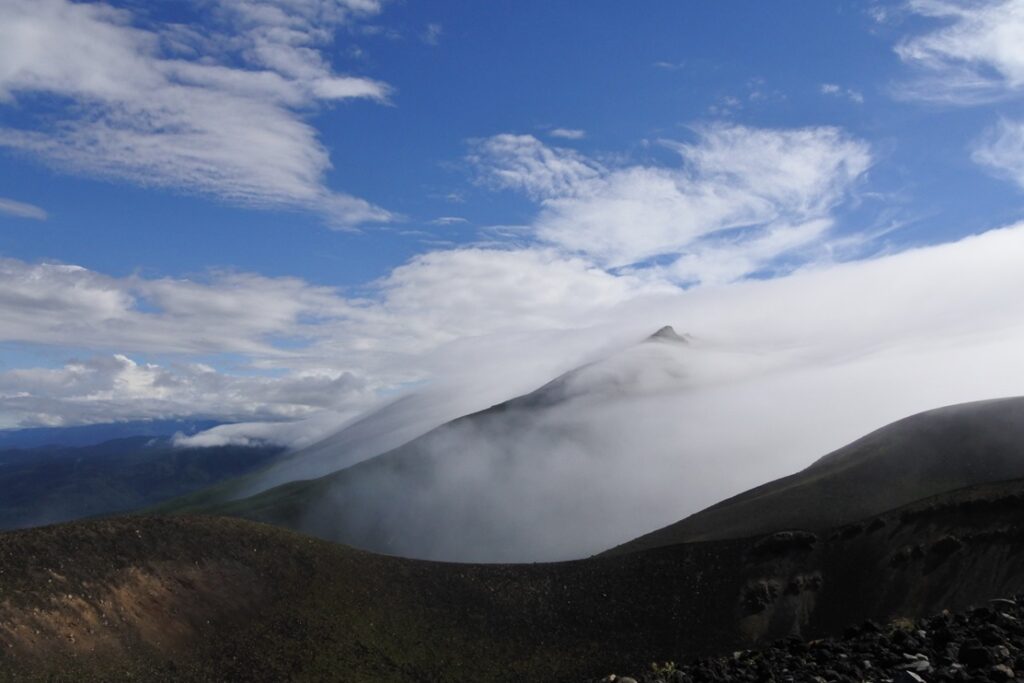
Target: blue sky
x=268 y=190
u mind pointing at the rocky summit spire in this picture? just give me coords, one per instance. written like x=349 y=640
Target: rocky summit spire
x=667 y=333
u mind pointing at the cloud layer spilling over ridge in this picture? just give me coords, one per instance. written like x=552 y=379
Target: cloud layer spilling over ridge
x=777 y=374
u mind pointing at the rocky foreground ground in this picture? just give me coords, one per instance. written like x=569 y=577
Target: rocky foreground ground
x=983 y=644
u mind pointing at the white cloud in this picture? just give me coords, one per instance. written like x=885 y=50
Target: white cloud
x=1001 y=149
x=409 y=326
x=477 y=326
x=432 y=33
x=231 y=312
x=102 y=388
x=755 y=193
x=568 y=133
x=976 y=56
x=293 y=434
x=21 y=209
x=879 y=13
x=522 y=162
x=449 y=220
x=447 y=295
x=171 y=107
x=778 y=373
x=834 y=90
x=435 y=298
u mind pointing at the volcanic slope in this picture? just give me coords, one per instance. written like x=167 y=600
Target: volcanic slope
x=198 y=598
x=520 y=481
x=922 y=455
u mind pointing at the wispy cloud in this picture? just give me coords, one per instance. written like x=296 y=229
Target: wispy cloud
x=220 y=113
x=449 y=220
x=977 y=56
x=568 y=133
x=432 y=33
x=739 y=198
x=522 y=162
x=21 y=209
x=835 y=90
x=1001 y=150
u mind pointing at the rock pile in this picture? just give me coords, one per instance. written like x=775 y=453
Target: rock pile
x=983 y=644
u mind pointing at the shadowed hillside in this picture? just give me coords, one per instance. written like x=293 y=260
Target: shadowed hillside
x=205 y=598
x=939 y=450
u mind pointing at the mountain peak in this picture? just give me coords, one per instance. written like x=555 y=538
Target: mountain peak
x=667 y=333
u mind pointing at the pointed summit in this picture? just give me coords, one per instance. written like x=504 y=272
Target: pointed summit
x=667 y=333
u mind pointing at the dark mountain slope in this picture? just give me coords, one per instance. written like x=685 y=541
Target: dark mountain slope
x=47 y=485
x=217 y=599
x=939 y=450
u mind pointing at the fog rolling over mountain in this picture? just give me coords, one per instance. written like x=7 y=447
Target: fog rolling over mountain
x=379 y=431
x=323 y=444
x=599 y=455
x=612 y=450
x=534 y=478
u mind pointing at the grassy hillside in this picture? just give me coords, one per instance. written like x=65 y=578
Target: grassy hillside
x=923 y=455
x=196 y=598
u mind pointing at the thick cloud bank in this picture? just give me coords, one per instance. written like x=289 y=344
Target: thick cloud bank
x=777 y=373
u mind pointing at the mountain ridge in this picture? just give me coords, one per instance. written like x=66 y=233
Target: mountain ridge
x=924 y=454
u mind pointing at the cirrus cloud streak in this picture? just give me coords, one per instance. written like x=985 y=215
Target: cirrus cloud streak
x=220 y=114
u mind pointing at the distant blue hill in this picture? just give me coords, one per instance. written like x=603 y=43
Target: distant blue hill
x=90 y=435
x=49 y=484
